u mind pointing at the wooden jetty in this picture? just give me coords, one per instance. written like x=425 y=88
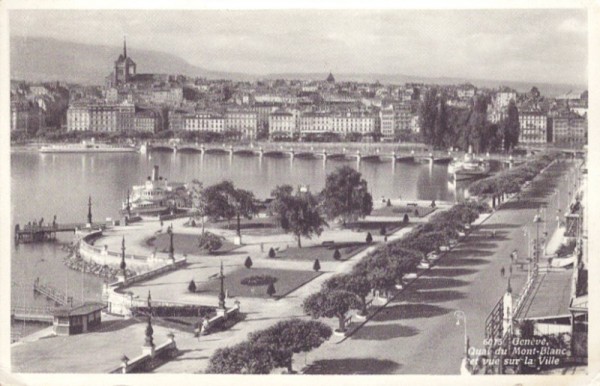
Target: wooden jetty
x=36 y=234
x=52 y=293
x=31 y=314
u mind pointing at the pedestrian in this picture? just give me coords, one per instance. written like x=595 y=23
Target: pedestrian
x=502 y=271
x=510 y=270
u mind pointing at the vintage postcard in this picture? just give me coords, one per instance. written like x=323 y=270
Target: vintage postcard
x=198 y=190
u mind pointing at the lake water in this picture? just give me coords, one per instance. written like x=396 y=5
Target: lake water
x=44 y=185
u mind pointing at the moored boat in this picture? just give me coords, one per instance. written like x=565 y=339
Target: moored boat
x=87 y=147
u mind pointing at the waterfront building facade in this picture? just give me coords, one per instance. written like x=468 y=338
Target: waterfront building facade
x=282 y=123
x=103 y=117
x=78 y=117
x=146 y=121
x=569 y=130
x=243 y=121
x=533 y=127
x=204 y=121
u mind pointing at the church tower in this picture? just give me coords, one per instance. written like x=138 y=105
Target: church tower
x=125 y=67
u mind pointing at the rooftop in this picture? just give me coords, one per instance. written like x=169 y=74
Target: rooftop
x=84 y=309
x=550 y=296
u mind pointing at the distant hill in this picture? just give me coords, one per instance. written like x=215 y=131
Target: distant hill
x=47 y=59
x=547 y=89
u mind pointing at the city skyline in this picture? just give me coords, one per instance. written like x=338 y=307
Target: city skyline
x=514 y=45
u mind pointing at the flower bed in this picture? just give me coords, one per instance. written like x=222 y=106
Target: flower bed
x=258 y=280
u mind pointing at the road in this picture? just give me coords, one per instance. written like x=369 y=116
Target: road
x=417 y=332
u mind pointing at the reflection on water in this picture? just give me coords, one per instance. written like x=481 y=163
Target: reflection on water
x=44 y=185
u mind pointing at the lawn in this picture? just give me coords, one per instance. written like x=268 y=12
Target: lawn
x=321 y=252
x=400 y=211
x=374 y=226
x=287 y=281
x=186 y=244
x=259 y=226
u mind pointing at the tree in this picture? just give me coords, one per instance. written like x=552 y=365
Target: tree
x=272 y=253
x=434 y=118
x=336 y=254
x=369 y=238
x=331 y=304
x=297 y=214
x=427 y=115
x=243 y=358
x=271 y=289
x=316 y=265
x=351 y=282
x=290 y=337
x=511 y=126
x=199 y=203
x=248 y=262
x=346 y=195
x=209 y=241
x=192 y=286
x=225 y=201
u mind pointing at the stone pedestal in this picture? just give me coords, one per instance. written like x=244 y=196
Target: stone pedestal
x=237 y=240
x=221 y=312
x=148 y=350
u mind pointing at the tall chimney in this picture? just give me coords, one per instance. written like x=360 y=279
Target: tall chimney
x=155 y=173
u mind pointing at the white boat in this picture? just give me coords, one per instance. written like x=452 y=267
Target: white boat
x=468 y=168
x=87 y=147
x=156 y=196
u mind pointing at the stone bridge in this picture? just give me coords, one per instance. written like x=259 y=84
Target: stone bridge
x=348 y=151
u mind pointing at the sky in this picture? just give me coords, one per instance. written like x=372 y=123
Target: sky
x=517 y=45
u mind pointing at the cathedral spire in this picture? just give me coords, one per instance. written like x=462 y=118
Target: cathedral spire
x=124 y=47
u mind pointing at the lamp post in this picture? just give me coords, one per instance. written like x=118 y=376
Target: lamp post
x=461 y=315
x=537 y=220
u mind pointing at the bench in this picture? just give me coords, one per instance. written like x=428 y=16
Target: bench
x=329 y=243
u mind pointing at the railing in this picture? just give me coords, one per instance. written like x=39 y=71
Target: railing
x=51 y=293
x=525 y=292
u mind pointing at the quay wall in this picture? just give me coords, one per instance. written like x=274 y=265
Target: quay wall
x=102 y=256
x=120 y=301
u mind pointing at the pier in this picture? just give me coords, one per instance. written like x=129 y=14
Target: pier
x=52 y=293
x=38 y=234
x=32 y=314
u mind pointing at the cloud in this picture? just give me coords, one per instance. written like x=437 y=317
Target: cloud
x=541 y=45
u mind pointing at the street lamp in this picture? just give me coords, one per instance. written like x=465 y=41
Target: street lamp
x=461 y=315
x=537 y=220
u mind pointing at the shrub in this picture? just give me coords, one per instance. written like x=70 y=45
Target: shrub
x=317 y=265
x=369 y=238
x=271 y=289
x=209 y=241
x=192 y=286
x=383 y=231
x=389 y=203
x=405 y=219
x=336 y=254
x=272 y=253
x=258 y=280
x=248 y=262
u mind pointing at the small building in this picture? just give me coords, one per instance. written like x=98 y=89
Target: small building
x=77 y=320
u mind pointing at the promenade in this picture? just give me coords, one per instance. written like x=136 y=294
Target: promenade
x=416 y=333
